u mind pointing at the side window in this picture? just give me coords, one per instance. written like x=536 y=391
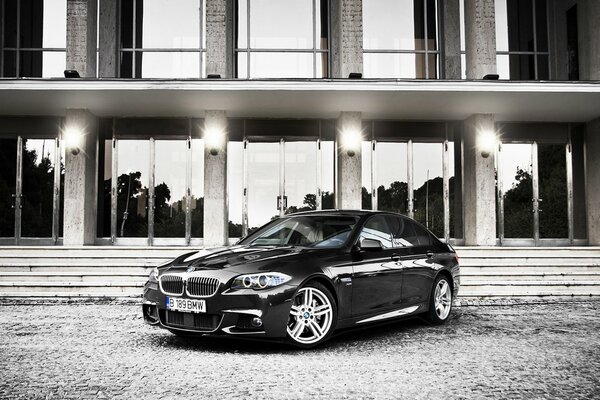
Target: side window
x=423 y=235
x=377 y=228
x=403 y=232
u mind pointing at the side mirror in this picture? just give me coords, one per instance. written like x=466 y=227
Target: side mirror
x=370 y=245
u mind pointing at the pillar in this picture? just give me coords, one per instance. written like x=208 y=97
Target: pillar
x=347 y=37
x=588 y=15
x=349 y=177
x=479 y=183
x=451 y=33
x=81 y=37
x=80 y=180
x=108 y=48
x=592 y=169
x=480 y=38
x=219 y=38
x=215 y=179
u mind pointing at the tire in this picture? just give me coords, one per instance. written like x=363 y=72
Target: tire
x=313 y=316
x=440 y=301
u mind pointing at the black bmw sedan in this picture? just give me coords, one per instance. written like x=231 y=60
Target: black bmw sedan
x=303 y=276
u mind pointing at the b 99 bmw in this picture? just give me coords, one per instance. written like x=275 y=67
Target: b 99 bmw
x=303 y=276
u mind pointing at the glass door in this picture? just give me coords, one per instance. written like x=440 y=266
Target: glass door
x=429 y=185
x=390 y=171
x=8 y=188
x=300 y=173
x=533 y=189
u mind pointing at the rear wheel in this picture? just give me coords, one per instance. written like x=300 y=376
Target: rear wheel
x=440 y=303
x=313 y=316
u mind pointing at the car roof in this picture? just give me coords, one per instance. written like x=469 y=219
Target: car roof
x=358 y=213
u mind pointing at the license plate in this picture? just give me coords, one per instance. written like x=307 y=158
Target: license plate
x=186 y=305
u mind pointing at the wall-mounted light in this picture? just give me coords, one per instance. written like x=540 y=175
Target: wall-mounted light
x=214 y=139
x=487 y=142
x=351 y=141
x=73 y=137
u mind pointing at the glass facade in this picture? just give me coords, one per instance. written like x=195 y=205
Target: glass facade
x=400 y=39
x=33 y=34
x=161 y=40
x=282 y=39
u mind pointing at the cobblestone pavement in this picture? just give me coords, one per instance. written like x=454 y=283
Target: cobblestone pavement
x=83 y=350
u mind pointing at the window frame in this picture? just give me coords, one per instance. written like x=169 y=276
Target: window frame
x=248 y=50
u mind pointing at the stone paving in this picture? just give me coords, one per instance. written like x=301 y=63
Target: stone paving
x=85 y=350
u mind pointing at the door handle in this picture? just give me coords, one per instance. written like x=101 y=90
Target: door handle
x=395 y=257
x=429 y=254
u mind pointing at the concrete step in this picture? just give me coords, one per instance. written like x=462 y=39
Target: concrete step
x=77 y=269
x=532 y=261
x=527 y=291
x=70 y=277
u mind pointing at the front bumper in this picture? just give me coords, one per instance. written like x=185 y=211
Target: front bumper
x=227 y=312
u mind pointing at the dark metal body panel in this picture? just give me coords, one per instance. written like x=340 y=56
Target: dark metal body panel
x=364 y=284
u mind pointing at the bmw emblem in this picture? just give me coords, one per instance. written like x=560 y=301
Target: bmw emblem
x=190 y=269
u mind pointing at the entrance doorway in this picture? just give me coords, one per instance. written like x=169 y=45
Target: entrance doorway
x=31 y=185
x=535 y=193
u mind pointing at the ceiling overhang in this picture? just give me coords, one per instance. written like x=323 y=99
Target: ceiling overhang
x=376 y=99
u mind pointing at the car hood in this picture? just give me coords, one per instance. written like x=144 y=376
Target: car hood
x=239 y=259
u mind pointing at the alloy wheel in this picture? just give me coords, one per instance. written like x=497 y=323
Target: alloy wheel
x=443 y=299
x=311 y=316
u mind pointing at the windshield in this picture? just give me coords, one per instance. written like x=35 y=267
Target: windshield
x=323 y=231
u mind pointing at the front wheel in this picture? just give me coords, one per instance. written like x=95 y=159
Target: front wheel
x=440 y=302
x=312 y=317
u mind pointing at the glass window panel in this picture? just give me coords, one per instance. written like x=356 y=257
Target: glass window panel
x=366 y=155
x=105 y=189
x=428 y=186
x=397 y=65
x=126 y=68
x=541 y=22
x=322 y=24
x=235 y=187
x=242 y=24
x=390 y=24
x=170 y=188
x=327 y=176
x=242 y=65
x=30 y=64
x=281 y=65
x=165 y=25
x=520 y=25
x=53 y=64
x=197 y=203
x=170 y=64
x=322 y=67
x=132 y=188
x=301 y=176
x=392 y=176
x=263 y=183
x=39 y=157
x=31 y=22
x=501 y=25
x=454 y=193
x=503 y=66
x=61 y=198
x=8 y=173
x=126 y=35
x=55 y=23
x=10 y=64
x=543 y=68
x=10 y=23
x=432 y=23
x=518 y=190
x=552 y=170
x=281 y=24
x=522 y=67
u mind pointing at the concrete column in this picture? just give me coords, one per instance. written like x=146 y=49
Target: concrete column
x=592 y=169
x=349 y=177
x=480 y=38
x=451 y=33
x=219 y=38
x=588 y=16
x=81 y=37
x=215 y=179
x=346 y=37
x=479 y=184
x=108 y=48
x=80 y=181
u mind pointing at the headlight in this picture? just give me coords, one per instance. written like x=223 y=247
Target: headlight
x=260 y=281
x=153 y=277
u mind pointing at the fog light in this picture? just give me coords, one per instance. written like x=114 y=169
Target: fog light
x=256 y=322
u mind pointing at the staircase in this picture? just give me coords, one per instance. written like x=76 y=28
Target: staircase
x=486 y=272
x=529 y=271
